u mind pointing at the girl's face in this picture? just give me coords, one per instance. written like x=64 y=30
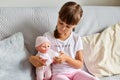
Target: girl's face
x=44 y=47
x=64 y=28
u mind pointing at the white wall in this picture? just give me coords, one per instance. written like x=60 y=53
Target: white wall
x=52 y=3
x=102 y=2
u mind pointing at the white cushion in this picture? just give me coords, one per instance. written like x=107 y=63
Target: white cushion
x=102 y=52
x=14 y=63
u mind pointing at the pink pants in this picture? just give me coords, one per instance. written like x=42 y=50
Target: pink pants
x=79 y=75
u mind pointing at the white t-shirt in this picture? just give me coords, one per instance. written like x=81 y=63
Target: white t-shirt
x=69 y=46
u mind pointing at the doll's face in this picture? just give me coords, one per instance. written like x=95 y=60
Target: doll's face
x=44 y=47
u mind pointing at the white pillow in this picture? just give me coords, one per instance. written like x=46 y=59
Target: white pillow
x=102 y=52
x=13 y=59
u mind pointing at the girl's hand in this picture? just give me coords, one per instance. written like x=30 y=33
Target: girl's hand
x=61 y=58
x=37 y=61
x=42 y=61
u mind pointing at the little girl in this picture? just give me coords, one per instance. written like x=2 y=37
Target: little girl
x=63 y=39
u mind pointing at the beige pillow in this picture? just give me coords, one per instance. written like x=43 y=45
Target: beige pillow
x=102 y=52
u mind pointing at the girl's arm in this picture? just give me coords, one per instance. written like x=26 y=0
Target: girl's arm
x=76 y=63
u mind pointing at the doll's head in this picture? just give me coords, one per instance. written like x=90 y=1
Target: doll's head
x=42 y=44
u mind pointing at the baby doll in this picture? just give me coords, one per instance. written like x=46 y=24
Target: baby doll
x=46 y=56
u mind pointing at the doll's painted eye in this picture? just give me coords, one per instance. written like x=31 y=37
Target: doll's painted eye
x=48 y=46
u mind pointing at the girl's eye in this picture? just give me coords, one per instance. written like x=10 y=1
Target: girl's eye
x=68 y=27
x=61 y=23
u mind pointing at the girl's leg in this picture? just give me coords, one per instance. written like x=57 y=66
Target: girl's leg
x=60 y=77
x=82 y=75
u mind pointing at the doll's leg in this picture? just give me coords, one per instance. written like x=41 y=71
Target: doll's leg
x=40 y=74
x=48 y=73
x=82 y=75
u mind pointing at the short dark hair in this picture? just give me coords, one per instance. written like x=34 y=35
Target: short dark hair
x=71 y=12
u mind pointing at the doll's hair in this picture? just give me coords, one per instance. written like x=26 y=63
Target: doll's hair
x=40 y=40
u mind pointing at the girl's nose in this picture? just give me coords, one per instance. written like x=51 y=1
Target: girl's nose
x=64 y=27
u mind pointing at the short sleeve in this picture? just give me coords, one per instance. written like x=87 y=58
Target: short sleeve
x=79 y=45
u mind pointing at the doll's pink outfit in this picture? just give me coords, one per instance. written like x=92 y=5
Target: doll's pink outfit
x=44 y=72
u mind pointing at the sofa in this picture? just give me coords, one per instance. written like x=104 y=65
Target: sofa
x=19 y=27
